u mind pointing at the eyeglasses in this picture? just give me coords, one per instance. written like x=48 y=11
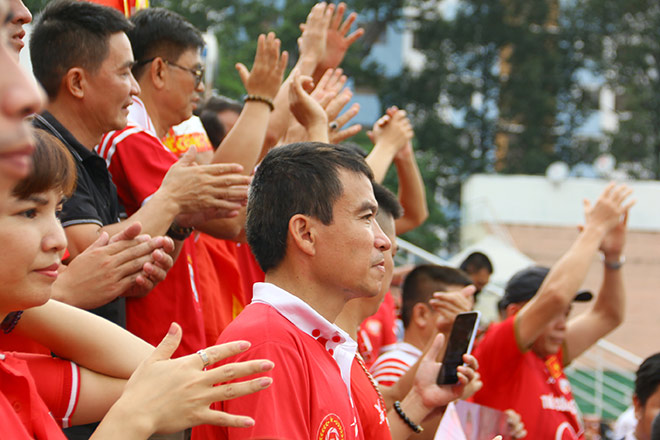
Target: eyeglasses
x=198 y=73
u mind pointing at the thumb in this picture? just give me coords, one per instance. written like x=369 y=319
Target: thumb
x=436 y=347
x=101 y=241
x=243 y=73
x=189 y=156
x=128 y=233
x=468 y=291
x=169 y=344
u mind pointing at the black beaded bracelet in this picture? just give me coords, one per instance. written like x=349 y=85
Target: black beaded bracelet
x=265 y=100
x=417 y=428
x=10 y=321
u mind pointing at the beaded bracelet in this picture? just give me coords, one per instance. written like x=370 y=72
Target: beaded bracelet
x=265 y=100
x=417 y=428
x=10 y=321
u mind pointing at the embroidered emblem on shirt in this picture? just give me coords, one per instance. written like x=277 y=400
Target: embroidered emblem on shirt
x=331 y=428
x=553 y=366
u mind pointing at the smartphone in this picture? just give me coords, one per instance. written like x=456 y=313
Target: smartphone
x=460 y=342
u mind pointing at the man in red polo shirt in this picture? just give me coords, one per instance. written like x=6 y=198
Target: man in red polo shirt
x=522 y=359
x=168 y=69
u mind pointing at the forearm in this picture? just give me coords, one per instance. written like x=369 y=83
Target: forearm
x=413 y=407
x=281 y=117
x=225 y=228
x=380 y=159
x=244 y=142
x=155 y=216
x=610 y=303
x=122 y=422
x=412 y=195
x=84 y=338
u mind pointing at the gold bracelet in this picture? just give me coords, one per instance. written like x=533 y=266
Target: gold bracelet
x=265 y=100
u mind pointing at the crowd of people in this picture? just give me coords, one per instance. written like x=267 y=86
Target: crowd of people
x=178 y=264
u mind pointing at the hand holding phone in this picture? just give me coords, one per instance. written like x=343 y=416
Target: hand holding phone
x=460 y=342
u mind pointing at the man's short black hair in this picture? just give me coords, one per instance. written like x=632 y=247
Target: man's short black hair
x=219 y=103
x=648 y=378
x=423 y=281
x=300 y=178
x=475 y=262
x=213 y=127
x=71 y=33
x=387 y=201
x=159 y=32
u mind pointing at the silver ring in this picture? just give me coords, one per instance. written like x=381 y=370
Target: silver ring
x=333 y=125
x=205 y=358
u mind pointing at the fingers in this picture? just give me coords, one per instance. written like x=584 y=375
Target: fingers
x=336 y=137
x=348 y=115
x=128 y=233
x=216 y=353
x=168 y=345
x=338 y=16
x=469 y=291
x=219 y=418
x=189 y=156
x=236 y=370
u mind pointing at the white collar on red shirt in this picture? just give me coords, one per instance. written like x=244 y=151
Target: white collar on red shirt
x=338 y=343
x=137 y=114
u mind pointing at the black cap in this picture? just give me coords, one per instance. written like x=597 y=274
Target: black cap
x=525 y=283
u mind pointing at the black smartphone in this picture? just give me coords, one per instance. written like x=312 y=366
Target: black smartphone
x=460 y=342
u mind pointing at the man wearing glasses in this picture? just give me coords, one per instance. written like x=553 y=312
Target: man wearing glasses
x=169 y=72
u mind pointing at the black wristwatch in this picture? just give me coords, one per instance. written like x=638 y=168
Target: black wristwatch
x=177 y=232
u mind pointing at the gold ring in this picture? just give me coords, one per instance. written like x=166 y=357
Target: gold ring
x=205 y=358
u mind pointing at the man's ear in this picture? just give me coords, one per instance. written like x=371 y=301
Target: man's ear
x=157 y=73
x=420 y=315
x=302 y=230
x=639 y=409
x=74 y=82
x=512 y=309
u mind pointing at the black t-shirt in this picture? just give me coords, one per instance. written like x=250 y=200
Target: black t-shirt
x=93 y=202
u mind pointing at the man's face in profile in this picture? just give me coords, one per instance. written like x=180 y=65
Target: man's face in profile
x=351 y=249
x=20 y=16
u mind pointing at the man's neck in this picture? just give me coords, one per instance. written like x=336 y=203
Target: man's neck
x=327 y=304
x=76 y=122
x=156 y=113
x=349 y=319
x=414 y=338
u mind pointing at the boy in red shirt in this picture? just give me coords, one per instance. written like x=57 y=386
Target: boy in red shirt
x=522 y=359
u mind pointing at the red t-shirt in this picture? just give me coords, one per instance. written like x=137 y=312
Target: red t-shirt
x=377 y=331
x=372 y=411
x=308 y=398
x=138 y=162
x=36 y=394
x=219 y=284
x=536 y=388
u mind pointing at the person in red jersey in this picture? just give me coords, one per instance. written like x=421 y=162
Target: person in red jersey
x=522 y=358
x=376 y=421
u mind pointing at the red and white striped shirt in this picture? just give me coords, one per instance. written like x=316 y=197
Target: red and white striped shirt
x=394 y=363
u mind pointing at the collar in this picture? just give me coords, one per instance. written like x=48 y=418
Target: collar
x=336 y=341
x=48 y=122
x=137 y=114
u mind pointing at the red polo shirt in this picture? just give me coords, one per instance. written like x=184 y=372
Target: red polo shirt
x=370 y=407
x=309 y=397
x=38 y=395
x=138 y=162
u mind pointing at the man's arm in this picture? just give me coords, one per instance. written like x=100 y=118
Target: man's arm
x=606 y=313
x=391 y=133
x=412 y=193
x=567 y=275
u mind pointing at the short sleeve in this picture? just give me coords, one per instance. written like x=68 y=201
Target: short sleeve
x=498 y=351
x=138 y=163
x=58 y=384
x=80 y=208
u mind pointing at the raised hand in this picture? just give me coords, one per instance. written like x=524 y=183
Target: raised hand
x=200 y=189
x=338 y=40
x=265 y=78
x=312 y=42
x=168 y=395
